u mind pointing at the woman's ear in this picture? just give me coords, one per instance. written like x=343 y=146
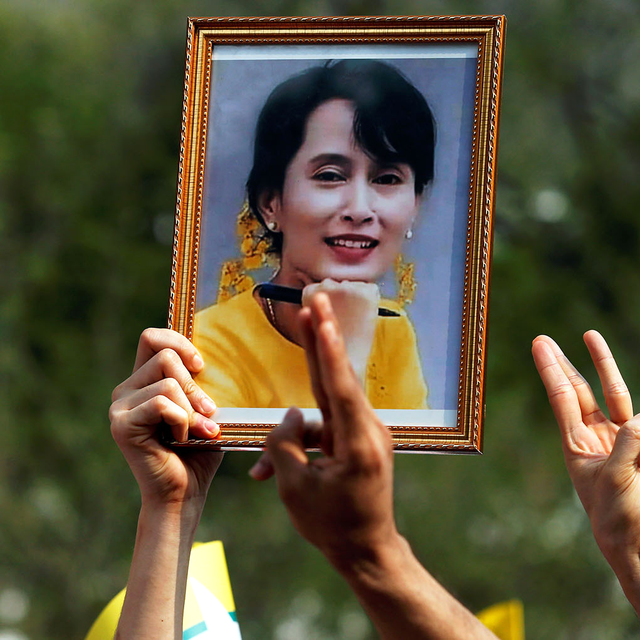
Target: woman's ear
x=269 y=205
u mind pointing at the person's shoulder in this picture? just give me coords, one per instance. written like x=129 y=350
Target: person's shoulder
x=241 y=303
x=239 y=315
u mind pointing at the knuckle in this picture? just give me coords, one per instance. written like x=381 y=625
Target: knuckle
x=632 y=427
x=159 y=403
x=170 y=387
x=168 y=358
x=604 y=358
x=149 y=336
x=597 y=415
x=576 y=379
x=190 y=387
x=194 y=419
x=116 y=419
x=561 y=389
x=116 y=394
x=373 y=455
x=114 y=413
x=618 y=388
x=376 y=460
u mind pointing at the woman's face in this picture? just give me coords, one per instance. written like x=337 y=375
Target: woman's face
x=342 y=213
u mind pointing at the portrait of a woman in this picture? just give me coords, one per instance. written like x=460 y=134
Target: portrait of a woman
x=343 y=158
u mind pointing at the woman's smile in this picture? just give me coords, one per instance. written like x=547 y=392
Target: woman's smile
x=351 y=248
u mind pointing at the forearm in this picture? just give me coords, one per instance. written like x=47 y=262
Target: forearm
x=154 y=602
x=404 y=601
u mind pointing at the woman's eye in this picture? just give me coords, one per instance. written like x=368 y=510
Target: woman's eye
x=328 y=176
x=388 y=178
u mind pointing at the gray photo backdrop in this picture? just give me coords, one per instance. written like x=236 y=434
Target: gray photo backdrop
x=240 y=87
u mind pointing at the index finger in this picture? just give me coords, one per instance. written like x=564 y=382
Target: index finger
x=591 y=412
x=153 y=341
x=562 y=395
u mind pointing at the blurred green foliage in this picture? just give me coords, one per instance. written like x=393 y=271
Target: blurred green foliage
x=90 y=101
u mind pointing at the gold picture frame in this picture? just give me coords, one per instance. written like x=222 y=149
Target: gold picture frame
x=219 y=51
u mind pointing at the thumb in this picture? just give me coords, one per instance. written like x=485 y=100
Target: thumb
x=626 y=448
x=263 y=468
x=285 y=445
x=313 y=436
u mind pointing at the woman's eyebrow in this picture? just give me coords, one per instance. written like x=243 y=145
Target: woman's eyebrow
x=330 y=158
x=403 y=167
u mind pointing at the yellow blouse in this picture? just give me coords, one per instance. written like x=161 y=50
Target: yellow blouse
x=249 y=364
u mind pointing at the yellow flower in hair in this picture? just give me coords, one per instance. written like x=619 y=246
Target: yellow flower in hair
x=225 y=276
x=247 y=246
x=405 y=274
x=255 y=247
x=253 y=262
x=247 y=223
x=229 y=275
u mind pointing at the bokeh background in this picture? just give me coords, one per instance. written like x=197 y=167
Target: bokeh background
x=90 y=102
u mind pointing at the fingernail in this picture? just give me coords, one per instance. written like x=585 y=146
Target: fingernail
x=208 y=405
x=323 y=300
x=197 y=361
x=213 y=428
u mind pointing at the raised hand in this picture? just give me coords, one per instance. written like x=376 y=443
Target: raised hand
x=342 y=502
x=601 y=452
x=161 y=392
x=346 y=498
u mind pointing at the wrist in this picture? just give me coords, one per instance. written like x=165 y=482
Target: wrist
x=625 y=562
x=184 y=515
x=356 y=560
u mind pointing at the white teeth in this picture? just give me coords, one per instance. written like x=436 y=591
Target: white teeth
x=351 y=244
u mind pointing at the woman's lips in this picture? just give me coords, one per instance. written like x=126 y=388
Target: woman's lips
x=351 y=248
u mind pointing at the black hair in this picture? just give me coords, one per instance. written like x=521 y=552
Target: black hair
x=392 y=123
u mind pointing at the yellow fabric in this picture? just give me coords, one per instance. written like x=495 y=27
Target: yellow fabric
x=505 y=619
x=249 y=364
x=208 y=594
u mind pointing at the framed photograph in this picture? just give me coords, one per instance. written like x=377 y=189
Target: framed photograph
x=356 y=156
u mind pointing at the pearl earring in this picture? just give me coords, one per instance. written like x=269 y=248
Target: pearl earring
x=408 y=234
x=272 y=226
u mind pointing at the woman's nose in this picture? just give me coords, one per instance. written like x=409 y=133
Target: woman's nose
x=358 y=207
